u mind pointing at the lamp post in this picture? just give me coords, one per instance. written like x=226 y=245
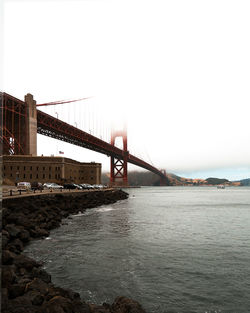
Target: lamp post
x=57 y=140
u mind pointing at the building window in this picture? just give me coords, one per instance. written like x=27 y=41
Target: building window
x=30 y=175
x=11 y=175
x=43 y=175
x=4 y=167
x=31 y=168
x=49 y=175
x=23 y=175
x=92 y=172
x=44 y=168
x=37 y=168
x=24 y=168
x=18 y=167
x=92 y=177
x=56 y=176
x=50 y=168
x=36 y=175
x=11 y=167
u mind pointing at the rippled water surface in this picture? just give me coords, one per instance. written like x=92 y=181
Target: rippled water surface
x=173 y=249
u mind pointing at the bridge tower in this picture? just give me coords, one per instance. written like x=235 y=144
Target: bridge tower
x=31 y=134
x=119 y=166
x=18 y=125
x=164 y=180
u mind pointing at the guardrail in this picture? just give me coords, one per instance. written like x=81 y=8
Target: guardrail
x=19 y=192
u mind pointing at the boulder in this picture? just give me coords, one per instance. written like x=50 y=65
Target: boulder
x=15 y=246
x=39 y=232
x=5 y=238
x=4 y=297
x=35 y=297
x=25 y=262
x=24 y=235
x=58 y=304
x=8 y=257
x=99 y=309
x=42 y=274
x=16 y=290
x=13 y=230
x=20 y=304
x=8 y=275
x=37 y=285
x=126 y=305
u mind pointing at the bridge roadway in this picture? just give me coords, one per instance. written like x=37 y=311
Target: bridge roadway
x=50 y=126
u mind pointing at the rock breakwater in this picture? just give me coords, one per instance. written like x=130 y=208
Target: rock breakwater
x=26 y=286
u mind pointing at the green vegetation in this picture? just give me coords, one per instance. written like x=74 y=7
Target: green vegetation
x=216 y=181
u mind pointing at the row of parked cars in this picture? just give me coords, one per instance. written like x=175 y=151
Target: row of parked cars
x=40 y=186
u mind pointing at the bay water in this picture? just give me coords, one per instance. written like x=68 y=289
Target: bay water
x=172 y=249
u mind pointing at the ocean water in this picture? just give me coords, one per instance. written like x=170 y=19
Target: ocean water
x=173 y=249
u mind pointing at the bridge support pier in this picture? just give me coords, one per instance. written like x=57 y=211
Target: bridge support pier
x=119 y=166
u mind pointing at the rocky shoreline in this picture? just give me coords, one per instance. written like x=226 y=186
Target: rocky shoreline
x=26 y=286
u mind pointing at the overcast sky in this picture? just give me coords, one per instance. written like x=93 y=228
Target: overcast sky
x=177 y=71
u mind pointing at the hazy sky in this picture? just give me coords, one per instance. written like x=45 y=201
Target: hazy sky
x=177 y=71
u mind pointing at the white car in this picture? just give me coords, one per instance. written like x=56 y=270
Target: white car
x=24 y=185
x=47 y=185
x=55 y=186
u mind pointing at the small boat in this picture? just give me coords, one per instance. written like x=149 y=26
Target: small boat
x=221 y=186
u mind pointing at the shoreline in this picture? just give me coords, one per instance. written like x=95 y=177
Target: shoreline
x=26 y=286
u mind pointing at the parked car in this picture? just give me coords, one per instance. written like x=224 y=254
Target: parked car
x=86 y=186
x=24 y=185
x=55 y=186
x=79 y=187
x=36 y=186
x=52 y=186
x=71 y=186
x=47 y=185
x=98 y=186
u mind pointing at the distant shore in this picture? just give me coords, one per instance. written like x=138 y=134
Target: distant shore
x=26 y=286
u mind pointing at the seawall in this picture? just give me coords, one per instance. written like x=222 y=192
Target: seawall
x=26 y=286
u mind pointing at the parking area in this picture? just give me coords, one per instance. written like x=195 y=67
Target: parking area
x=13 y=191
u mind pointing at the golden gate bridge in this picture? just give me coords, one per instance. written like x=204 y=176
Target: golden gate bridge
x=21 y=121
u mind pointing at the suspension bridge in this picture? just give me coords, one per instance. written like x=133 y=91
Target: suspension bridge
x=22 y=121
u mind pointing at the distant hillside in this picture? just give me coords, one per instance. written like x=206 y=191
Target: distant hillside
x=245 y=182
x=150 y=179
x=138 y=179
x=216 y=181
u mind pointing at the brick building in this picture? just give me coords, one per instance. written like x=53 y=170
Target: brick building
x=44 y=169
